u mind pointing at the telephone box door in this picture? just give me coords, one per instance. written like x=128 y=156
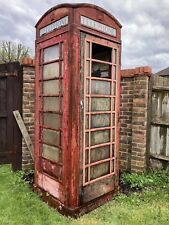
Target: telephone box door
x=100 y=120
x=51 y=115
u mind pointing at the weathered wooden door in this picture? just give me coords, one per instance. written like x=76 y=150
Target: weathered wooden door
x=10 y=99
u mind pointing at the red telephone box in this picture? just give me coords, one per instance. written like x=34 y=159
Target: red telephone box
x=77 y=107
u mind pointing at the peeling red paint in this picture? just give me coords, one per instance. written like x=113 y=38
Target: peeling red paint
x=62 y=178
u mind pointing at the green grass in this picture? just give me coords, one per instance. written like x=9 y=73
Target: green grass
x=20 y=206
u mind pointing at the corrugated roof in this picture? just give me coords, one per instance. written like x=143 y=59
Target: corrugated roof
x=164 y=72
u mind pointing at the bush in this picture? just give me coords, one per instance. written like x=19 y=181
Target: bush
x=146 y=179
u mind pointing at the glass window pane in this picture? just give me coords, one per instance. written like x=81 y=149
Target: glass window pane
x=100 y=153
x=87 y=122
x=99 y=137
x=114 y=72
x=87 y=104
x=113 y=149
x=88 y=68
x=52 y=120
x=87 y=139
x=114 y=88
x=51 y=70
x=100 y=104
x=113 y=119
x=51 y=153
x=102 y=120
x=87 y=86
x=101 y=70
x=88 y=49
x=113 y=104
x=112 y=165
x=86 y=157
x=62 y=51
x=115 y=56
x=51 y=87
x=99 y=170
x=113 y=135
x=100 y=87
x=51 y=53
x=62 y=66
x=51 y=137
x=86 y=174
x=52 y=104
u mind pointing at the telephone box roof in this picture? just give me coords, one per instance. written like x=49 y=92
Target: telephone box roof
x=79 y=5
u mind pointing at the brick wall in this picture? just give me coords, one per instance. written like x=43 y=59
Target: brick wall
x=28 y=105
x=134 y=112
x=134 y=119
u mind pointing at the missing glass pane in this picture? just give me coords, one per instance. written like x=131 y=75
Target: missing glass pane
x=101 y=52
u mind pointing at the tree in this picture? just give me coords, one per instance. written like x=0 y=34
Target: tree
x=11 y=52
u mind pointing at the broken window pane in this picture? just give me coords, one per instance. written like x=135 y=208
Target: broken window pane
x=101 y=70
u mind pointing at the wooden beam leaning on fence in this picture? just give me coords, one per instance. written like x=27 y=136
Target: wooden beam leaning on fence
x=24 y=132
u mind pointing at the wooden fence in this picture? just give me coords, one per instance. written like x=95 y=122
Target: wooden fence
x=159 y=137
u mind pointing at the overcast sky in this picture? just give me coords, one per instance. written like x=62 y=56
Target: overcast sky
x=145 y=32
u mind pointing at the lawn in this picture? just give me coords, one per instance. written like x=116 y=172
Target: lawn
x=20 y=206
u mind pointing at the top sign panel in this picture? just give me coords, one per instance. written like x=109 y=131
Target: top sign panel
x=98 y=26
x=55 y=25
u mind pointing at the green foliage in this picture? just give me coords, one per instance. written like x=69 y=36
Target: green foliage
x=27 y=176
x=11 y=52
x=146 y=179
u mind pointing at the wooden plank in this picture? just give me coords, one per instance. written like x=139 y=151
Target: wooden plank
x=159 y=122
x=160 y=157
x=160 y=88
x=24 y=132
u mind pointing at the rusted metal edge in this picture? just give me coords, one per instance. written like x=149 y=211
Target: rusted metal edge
x=78 y=211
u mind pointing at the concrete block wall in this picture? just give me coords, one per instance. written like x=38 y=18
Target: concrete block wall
x=28 y=108
x=134 y=119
